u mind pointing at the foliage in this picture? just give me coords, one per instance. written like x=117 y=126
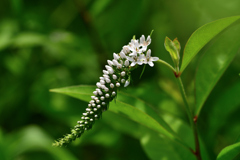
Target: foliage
x=53 y=44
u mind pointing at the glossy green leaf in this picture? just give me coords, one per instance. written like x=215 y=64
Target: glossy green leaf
x=214 y=63
x=126 y=105
x=229 y=152
x=202 y=36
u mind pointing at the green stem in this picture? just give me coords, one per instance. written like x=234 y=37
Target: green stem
x=192 y=120
x=166 y=64
x=188 y=109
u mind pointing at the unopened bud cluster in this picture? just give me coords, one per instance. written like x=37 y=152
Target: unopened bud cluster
x=115 y=75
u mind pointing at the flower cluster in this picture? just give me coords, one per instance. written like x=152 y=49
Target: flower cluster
x=116 y=74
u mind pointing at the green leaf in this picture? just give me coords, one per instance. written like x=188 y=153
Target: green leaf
x=126 y=105
x=229 y=152
x=177 y=45
x=202 y=36
x=171 y=48
x=214 y=63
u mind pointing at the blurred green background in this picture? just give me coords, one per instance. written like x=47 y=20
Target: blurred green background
x=52 y=44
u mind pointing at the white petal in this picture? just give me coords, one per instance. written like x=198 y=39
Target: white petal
x=142 y=39
x=133 y=53
x=133 y=64
x=154 y=58
x=148 y=40
x=151 y=64
x=130 y=59
x=148 y=53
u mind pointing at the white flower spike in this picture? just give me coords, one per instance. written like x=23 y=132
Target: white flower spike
x=116 y=75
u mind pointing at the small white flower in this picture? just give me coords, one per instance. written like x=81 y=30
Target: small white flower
x=136 y=60
x=150 y=59
x=144 y=43
x=125 y=49
x=134 y=46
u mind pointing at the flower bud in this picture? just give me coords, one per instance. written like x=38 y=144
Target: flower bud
x=115 y=56
x=110 y=63
x=122 y=55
